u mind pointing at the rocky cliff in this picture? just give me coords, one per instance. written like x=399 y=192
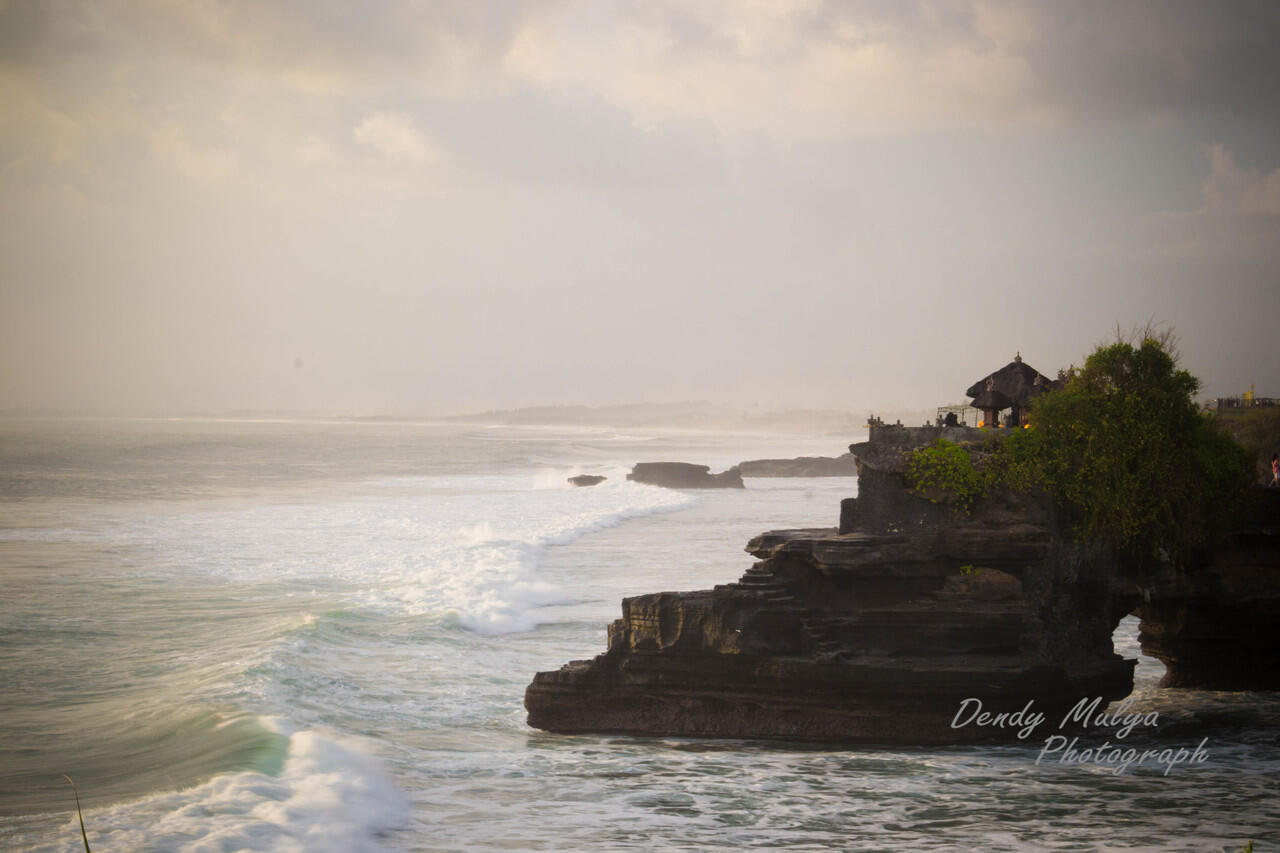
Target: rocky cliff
x=1214 y=626
x=875 y=631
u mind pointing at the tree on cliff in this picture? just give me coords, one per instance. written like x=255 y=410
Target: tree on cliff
x=1125 y=449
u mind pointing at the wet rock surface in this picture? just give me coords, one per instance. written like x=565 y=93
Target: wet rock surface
x=872 y=634
x=877 y=630
x=683 y=475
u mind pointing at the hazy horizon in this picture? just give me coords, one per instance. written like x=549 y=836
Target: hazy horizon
x=696 y=415
x=401 y=209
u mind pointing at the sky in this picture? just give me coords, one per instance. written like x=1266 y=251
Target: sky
x=428 y=208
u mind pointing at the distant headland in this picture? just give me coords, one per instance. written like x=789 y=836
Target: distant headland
x=684 y=415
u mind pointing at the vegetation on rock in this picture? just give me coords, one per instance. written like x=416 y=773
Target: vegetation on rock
x=1124 y=446
x=944 y=471
x=1258 y=431
x=1123 y=449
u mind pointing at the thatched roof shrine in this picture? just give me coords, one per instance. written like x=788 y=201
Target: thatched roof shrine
x=991 y=398
x=1018 y=381
x=1012 y=387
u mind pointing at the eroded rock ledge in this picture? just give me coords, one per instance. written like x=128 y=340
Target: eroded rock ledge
x=875 y=631
x=872 y=632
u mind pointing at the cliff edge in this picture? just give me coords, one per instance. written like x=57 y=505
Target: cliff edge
x=872 y=632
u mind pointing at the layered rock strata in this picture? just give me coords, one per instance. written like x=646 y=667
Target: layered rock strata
x=872 y=632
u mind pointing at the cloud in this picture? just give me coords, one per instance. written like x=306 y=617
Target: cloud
x=1147 y=60
x=197 y=162
x=1230 y=189
x=317 y=152
x=35 y=133
x=825 y=69
x=396 y=137
x=834 y=178
x=789 y=69
x=87 y=76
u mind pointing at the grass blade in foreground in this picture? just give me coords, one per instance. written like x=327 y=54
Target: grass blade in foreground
x=79 y=814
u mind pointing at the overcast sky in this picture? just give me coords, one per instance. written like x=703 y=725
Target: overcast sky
x=436 y=207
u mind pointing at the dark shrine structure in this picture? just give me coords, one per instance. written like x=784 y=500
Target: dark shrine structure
x=1011 y=389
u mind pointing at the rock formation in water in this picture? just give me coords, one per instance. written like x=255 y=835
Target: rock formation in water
x=803 y=466
x=1214 y=626
x=682 y=475
x=874 y=632
x=587 y=479
x=877 y=631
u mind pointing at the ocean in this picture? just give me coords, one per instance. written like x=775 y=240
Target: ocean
x=315 y=636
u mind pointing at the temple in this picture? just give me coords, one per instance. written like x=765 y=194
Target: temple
x=1010 y=389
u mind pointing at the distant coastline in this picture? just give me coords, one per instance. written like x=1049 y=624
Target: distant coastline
x=689 y=415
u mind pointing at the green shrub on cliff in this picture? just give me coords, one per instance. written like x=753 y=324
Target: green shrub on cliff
x=1258 y=431
x=1014 y=461
x=948 y=472
x=945 y=470
x=1123 y=446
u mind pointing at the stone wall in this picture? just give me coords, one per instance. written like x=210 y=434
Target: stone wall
x=907 y=437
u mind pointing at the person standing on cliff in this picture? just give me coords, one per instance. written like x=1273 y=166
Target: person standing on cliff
x=1275 y=471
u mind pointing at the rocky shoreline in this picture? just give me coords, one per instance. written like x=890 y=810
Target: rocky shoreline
x=801 y=466
x=876 y=631
x=685 y=475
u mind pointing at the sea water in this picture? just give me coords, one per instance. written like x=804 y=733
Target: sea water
x=316 y=637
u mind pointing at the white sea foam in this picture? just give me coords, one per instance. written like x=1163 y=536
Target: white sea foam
x=462 y=548
x=340 y=610
x=485 y=575
x=332 y=794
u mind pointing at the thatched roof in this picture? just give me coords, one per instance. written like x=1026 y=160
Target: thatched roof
x=991 y=398
x=1017 y=382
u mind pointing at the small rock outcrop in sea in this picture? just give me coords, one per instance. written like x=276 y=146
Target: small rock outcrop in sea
x=587 y=479
x=803 y=466
x=873 y=632
x=682 y=475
